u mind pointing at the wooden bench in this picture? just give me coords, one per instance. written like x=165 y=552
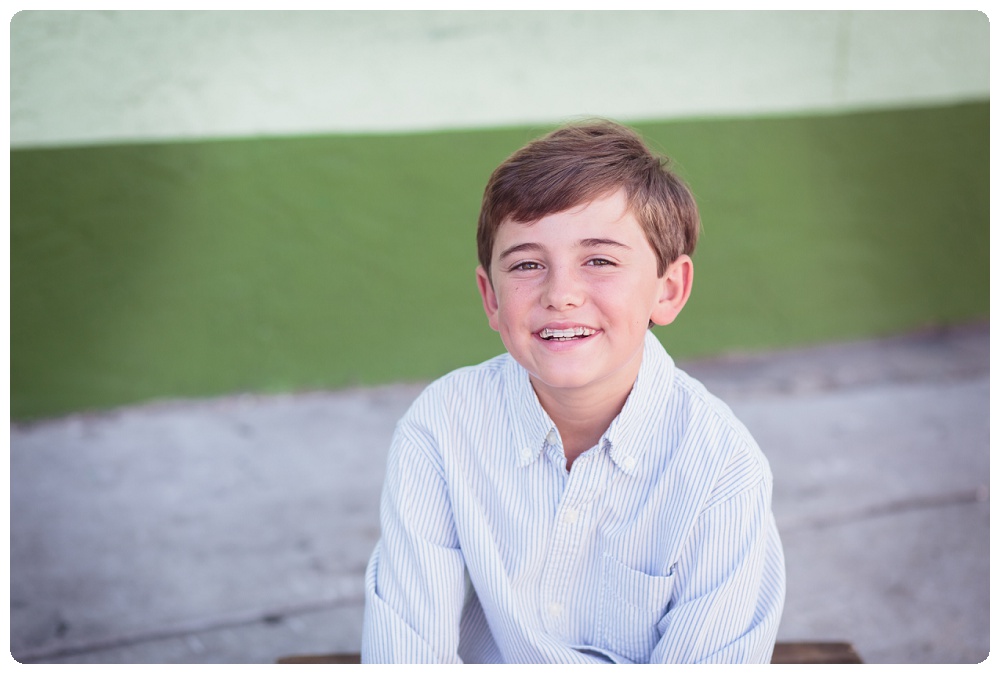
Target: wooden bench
x=785 y=653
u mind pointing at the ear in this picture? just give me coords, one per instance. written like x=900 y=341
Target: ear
x=675 y=290
x=490 y=304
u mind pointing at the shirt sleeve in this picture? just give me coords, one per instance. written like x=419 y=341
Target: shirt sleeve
x=415 y=581
x=730 y=586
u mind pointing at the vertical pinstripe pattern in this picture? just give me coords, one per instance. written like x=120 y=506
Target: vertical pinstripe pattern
x=658 y=546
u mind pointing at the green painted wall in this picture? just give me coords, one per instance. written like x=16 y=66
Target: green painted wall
x=205 y=268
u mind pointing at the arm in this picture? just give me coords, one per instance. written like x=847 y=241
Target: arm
x=415 y=584
x=730 y=585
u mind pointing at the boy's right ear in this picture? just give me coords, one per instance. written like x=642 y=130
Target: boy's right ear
x=490 y=304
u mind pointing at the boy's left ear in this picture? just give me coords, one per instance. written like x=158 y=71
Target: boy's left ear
x=674 y=291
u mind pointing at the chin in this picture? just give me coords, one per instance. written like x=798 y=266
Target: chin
x=564 y=380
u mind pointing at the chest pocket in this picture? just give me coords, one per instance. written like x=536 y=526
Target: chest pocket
x=632 y=603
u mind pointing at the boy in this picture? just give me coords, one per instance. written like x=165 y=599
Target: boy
x=578 y=499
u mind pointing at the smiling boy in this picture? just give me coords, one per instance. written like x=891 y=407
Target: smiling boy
x=580 y=498
x=572 y=296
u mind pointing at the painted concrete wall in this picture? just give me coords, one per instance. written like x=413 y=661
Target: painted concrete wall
x=97 y=77
x=143 y=267
x=203 y=268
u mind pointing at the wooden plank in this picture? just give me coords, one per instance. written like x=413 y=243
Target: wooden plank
x=814 y=652
x=785 y=653
x=331 y=659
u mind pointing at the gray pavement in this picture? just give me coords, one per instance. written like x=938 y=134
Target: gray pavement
x=237 y=530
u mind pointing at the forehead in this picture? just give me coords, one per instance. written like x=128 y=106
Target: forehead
x=607 y=214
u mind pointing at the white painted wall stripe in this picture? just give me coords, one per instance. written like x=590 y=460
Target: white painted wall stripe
x=98 y=77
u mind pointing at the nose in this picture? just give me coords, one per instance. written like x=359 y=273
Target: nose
x=563 y=289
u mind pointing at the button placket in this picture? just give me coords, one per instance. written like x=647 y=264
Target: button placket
x=565 y=547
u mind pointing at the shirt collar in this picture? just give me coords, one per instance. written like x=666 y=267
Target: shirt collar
x=531 y=425
x=625 y=439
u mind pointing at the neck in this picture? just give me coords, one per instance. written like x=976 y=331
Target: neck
x=582 y=417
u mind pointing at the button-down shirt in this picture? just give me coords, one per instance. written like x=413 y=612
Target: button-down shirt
x=658 y=546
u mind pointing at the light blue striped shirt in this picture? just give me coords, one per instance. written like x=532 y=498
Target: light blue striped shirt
x=658 y=546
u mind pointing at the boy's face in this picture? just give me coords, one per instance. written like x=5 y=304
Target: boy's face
x=573 y=293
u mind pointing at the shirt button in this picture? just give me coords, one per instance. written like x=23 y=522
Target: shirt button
x=525 y=453
x=551 y=437
x=555 y=609
x=628 y=463
x=570 y=515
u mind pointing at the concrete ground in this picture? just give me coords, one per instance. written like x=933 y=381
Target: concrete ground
x=236 y=530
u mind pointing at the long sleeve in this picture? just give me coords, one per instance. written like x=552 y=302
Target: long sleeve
x=730 y=586
x=415 y=581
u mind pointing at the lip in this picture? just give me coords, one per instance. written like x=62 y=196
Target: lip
x=565 y=326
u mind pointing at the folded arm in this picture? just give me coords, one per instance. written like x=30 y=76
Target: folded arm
x=415 y=582
x=730 y=586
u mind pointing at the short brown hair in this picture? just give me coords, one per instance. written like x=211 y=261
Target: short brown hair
x=578 y=163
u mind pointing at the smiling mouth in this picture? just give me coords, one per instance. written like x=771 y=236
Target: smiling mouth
x=565 y=335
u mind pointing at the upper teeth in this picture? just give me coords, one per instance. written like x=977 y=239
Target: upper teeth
x=548 y=333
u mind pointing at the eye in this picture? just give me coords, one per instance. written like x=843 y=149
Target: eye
x=600 y=262
x=526 y=266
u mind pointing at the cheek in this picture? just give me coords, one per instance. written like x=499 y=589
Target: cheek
x=632 y=304
x=513 y=300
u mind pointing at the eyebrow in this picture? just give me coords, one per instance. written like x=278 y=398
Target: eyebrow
x=595 y=243
x=521 y=247
x=583 y=243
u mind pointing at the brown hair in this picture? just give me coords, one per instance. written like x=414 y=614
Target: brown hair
x=578 y=163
